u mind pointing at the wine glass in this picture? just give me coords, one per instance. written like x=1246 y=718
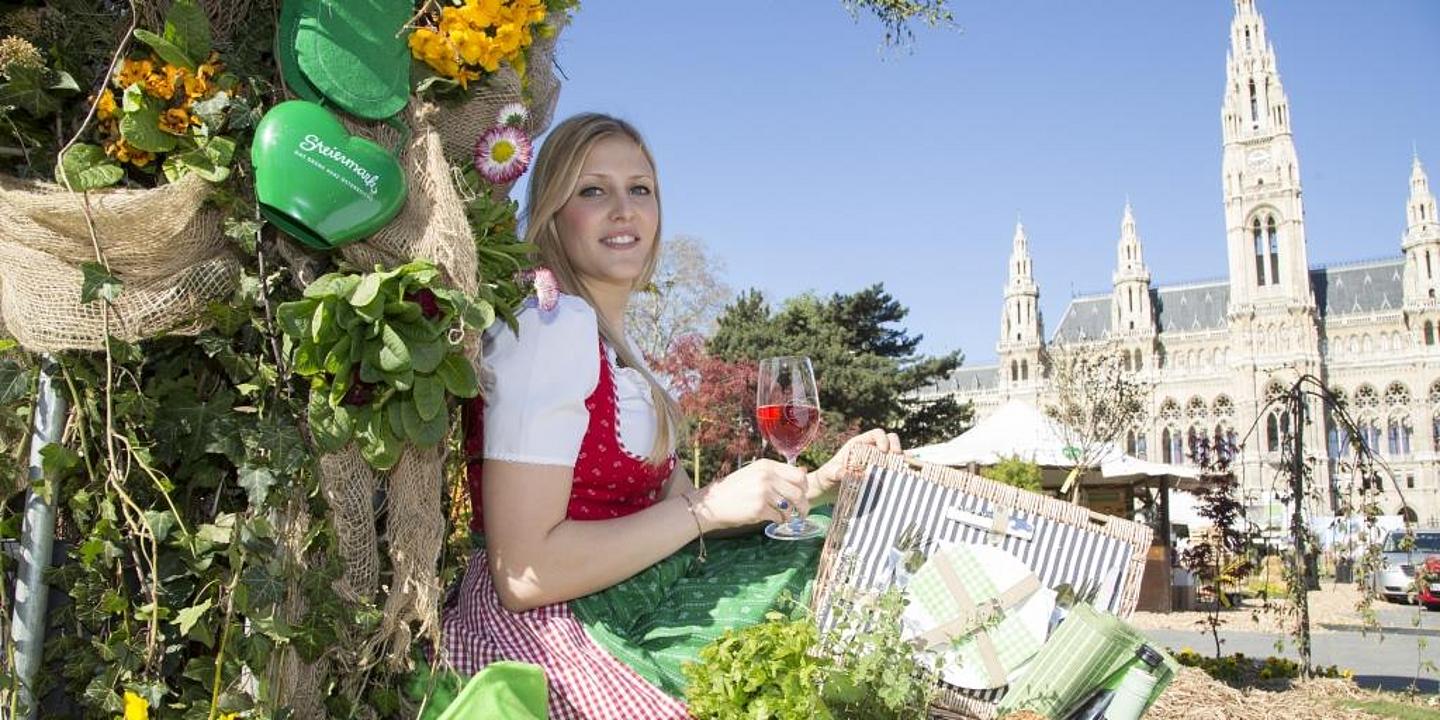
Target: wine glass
x=787 y=408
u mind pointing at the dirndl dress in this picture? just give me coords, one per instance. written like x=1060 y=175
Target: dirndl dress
x=618 y=653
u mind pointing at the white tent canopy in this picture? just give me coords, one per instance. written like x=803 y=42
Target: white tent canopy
x=1019 y=429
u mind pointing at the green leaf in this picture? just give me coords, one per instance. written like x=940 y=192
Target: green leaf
x=161 y=522
x=57 y=461
x=167 y=50
x=15 y=381
x=187 y=28
x=212 y=111
x=308 y=360
x=337 y=360
x=98 y=283
x=332 y=426
x=210 y=161
x=366 y=292
x=322 y=325
x=257 y=481
x=295 y=317
x=394 y=355
x=141 y=128
x=36 y=89
x=382 y=449
x=426 y=355
x=87 y=167
x=429 y=432
x=429 y=394
x=458 y=375
x=337 y=285
x=186 y=619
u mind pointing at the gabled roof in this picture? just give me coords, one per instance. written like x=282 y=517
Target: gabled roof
x=968 y=379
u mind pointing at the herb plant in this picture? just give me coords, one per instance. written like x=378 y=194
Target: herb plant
x=381 y=357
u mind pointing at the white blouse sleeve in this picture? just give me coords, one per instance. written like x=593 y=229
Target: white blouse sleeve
x=535 y=411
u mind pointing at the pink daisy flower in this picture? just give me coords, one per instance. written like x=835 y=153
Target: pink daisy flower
x=502 y=154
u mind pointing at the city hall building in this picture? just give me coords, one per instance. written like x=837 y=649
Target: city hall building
x=1217 y=351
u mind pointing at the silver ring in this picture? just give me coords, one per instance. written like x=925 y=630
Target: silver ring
x=782 y=504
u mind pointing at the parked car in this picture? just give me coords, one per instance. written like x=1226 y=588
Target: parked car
x=1395 y=579
x=1429 y=584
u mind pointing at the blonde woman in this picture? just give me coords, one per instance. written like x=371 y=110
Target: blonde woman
x=589 y=566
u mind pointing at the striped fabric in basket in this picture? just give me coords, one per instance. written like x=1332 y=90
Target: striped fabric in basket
x=1067 y=543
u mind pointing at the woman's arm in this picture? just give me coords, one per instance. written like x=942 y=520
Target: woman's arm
x=537 y=556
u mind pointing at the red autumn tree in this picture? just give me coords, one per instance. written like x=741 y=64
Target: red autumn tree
x=718 y=399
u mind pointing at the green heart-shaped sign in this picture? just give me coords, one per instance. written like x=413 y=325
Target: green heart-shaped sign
x=317 y=182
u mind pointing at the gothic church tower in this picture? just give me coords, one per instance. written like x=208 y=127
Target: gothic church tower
x=1021 y=329
x=1264 y=215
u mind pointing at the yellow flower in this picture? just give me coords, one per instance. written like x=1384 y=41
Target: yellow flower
x=175 y=121
x=125 y=152
x=133 y=71
x=197 y=86
x=230 y=716
x=105 y=107
x=136 y=707
x=159 y=85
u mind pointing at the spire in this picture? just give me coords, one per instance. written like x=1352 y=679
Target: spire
x=1130 y=263
x=1020 y=266
x=1420 y=220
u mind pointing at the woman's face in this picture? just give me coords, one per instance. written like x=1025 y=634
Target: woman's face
x=607 y=226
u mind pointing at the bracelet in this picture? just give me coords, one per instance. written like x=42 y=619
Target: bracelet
x=690 y=503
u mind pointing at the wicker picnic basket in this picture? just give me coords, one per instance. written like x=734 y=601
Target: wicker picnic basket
x=883 y=494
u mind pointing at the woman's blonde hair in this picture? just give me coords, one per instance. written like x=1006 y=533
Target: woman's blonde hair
x=552 y=182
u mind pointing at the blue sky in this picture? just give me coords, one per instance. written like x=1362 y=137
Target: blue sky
x=809 y=159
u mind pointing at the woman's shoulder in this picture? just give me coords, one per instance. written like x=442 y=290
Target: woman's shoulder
x=570 y=321
x=558 y=341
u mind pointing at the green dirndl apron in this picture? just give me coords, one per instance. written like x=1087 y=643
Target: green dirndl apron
x=658 y=620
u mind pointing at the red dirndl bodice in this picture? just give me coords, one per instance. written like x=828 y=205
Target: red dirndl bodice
x=609 y=481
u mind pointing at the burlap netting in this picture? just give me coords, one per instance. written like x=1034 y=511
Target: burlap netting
x=166 y=245
x=432 y=225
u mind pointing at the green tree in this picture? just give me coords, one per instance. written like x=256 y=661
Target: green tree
x=1015 y=471
x=865 y=360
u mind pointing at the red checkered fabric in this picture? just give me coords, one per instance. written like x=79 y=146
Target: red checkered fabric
x=586 y=682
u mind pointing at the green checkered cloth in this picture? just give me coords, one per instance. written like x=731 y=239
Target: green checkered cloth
x=660 y=619
x=1085 y=650
x=1014 y=643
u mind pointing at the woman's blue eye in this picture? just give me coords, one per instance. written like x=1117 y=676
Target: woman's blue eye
x=590 y=191
x=640 y=190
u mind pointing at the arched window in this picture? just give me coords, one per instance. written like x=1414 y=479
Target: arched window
x=1254 y=104
x=1334 y=439
x=1435 y=431
x=1259 y=252
x=1192 y=440
x=1024 y=369
x=1409 y=514
x=1272 y=432
x=1392 y=437
x=1429 y=333
x=1130 y=443
x=1139 y=361
x=1141 y=451
x=1427 y=252
x=1014 y=370
x=1274 y=250
x=1247 y=49
x=1167 y=454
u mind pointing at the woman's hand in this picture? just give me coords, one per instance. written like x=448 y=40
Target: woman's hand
x=827 y=478
x=752 y=495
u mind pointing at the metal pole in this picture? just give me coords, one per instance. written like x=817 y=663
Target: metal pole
x=32 y=595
